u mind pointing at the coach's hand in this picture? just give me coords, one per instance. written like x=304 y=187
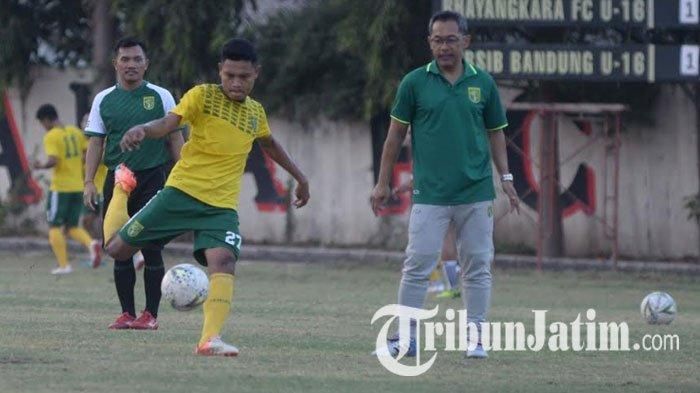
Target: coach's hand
x=512 y=196
x=90 y=194
x=302 y=194
x=132 y=138
x=380 y=195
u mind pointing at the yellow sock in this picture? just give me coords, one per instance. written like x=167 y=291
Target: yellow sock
x=117 y=213
x=218 y=305
x=58 y=245
x=80 y=235
x=436 y=274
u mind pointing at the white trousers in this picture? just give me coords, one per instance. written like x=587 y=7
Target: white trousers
x=427 y=227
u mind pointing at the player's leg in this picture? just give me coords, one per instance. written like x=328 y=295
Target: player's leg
x=221 y=265
x=149 y=181
x=77 y=233
x=218 y=248
x=474 y=225
x=165 y=216
x=80 y=235
x=426 y=229
x=117 y=213
x=450 y=266
x=153 y=272
x=436 y=282
x=121 y=250
x=58 y=245
x=139 y=261
x=88 y=221
x=123 y=271
x=55 y=215
x=131 y=192
x=91 y=221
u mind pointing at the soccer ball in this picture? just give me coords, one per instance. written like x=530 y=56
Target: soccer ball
x=185 y=286
x=658 y=308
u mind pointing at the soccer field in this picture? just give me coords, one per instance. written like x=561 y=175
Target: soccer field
x=306 y=328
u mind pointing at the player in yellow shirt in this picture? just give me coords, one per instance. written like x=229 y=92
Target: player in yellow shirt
x=201 y=193
x=64 y=146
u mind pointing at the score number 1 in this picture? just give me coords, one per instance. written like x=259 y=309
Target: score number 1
x=690 y=60
x=689 y=11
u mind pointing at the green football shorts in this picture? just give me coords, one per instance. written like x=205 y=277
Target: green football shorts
x=172 y=212
x=63 y=208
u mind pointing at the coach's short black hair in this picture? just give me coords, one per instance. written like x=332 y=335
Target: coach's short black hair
x=239 y=49
x=449 y=15
x=47 y=112
x=128 y=42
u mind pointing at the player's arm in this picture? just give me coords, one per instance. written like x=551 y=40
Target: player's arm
x=392 y=147
x=52 y=151
x=275 y=151
x=93 y=156
x=497 y=140
x=50 y=163
x=495 y=120
x=175 y=142
x=154 y=129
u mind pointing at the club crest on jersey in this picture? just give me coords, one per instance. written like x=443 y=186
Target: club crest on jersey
x=134 y=229
x=149 y=102
x=474 y=94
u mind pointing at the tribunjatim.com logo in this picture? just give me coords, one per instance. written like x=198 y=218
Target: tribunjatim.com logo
x=582 y=333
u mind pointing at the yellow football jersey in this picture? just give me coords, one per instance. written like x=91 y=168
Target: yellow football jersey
x=222 y=132
x=67 y=145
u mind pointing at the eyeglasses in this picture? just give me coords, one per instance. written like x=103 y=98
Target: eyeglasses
x=450 y=41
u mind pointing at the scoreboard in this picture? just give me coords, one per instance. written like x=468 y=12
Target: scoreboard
x=625 y=62
x=649 y=14
x=631 y=63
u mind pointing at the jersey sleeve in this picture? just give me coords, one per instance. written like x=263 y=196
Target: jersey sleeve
x=165 y=97
x=168 y=102
x=494 y=114
x=264 y=127
x=404 y=103
x=52 y=146
x=95 y=126
x=190 y=106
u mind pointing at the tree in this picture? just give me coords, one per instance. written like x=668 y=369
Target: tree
x=40 y=32
x=103 y=28
x=305 y=71
x=183 y=37
x=340 y=58
x=394 y=42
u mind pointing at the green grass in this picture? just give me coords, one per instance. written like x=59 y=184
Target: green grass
x=305 y=328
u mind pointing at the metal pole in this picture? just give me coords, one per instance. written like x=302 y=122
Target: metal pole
x=543 y=191
x=616 y=189
x=551 y=228
x=556 y=233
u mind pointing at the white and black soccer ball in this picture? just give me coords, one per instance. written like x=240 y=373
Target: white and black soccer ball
x=185 y=286
x=658 y=308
